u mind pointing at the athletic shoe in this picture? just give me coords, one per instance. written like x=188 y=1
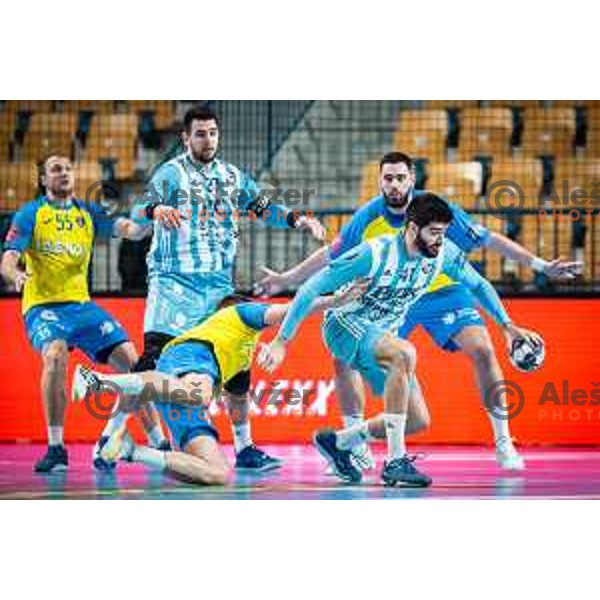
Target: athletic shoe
x=339 y=460
x=363 y=457
x=119 y=446
x=254 y=459
x=85 y=381
x=55 y=459
x=101 y=464
x=507 y=456
x=403 y=470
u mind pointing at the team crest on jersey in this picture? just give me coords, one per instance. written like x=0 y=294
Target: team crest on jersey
x=80 y=221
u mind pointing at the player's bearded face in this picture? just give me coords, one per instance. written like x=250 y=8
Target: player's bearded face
x=203 y=140
x=430 y=239
x=396 y=182
x=58 y=177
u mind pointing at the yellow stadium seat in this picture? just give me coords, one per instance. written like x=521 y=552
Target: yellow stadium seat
x=485 y=132
x=369 y=183
x=526 y=173
x=422 y=144
x=49 y=133
x=44 y=106
x=18 y=184
x=548 y=132
x=512 y=103
x=87 y=178
x=423 y=120
x=459 y=182
x=444 y=104
x=164 y=112
x=577 y=175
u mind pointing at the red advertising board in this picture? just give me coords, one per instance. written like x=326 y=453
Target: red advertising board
x=560 y=399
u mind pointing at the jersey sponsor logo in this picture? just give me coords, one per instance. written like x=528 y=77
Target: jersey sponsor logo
x=50 y=247
x=49 y=315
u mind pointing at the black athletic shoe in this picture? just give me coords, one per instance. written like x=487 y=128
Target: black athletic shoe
x=55 y=459
x=101 y=464
x=339 y=460
x=165 y=446
x=403 y=470
x=254 y=459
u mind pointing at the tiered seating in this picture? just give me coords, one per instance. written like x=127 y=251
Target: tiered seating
x=369 y=183
x=452 y=104
x=527 y=174
x=423 y=133
x=87 y=176
x=114 y=137
x=18 y=183
x=48 y=133
x=548 y=132
x=485 y=132
x=571 y=175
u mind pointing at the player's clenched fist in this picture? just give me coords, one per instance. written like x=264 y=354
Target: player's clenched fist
x=270 y=356
x=168 y=216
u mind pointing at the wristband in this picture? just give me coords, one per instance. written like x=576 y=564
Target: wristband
x=539 y=264
x=292 y=219
x=150 y=211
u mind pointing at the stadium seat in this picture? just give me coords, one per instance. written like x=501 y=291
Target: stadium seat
x=33 y=106
x=491 y=262
x=458 y=182
x=512 y=103
x=114 y=137
x=577 y=174
x=528 y=174
x=18 y=184
x=548 y=132
x=423 y=120
x=450 y=104
x=163 y=111
x=485 y=132
x=48 y=133
x=369 y=183
x=87 y=175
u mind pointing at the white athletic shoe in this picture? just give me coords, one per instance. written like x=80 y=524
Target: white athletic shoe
x=119 y=446
x=84 y=382
x=362 y=457
x=507 y=456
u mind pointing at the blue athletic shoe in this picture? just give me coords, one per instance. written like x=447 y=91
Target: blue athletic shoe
x=340 y=461
x=403 y=470
x=100 y=463
x=254 y=459
x=55 y=459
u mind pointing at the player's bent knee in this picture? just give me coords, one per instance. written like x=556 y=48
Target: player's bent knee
x=55 y=358
x=481 y=350
x=399 y=355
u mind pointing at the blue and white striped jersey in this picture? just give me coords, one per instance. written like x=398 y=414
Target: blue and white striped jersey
x=211 y=199
x=396 y=281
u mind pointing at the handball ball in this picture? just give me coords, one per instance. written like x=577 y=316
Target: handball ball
x=527 y=354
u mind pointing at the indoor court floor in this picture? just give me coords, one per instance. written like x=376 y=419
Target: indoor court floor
x=458 y=472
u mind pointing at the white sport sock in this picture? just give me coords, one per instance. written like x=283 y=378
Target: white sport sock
x=352 y=436
x=150 y=456
x=395 y=425
x=500 y=427
x=115 y=423
x=55 y=435
x=241 y=436
x=130 y=383
x=352 y=420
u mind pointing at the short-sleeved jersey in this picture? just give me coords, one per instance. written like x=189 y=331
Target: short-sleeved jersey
x=375 y=219
x=211 y=199
x=56 y=240
x=233 y=334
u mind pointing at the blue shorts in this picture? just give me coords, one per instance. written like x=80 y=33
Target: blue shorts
x=81 y=325
x=179 y=302
x=356 y=348
x=187 y=422
x=443 y=315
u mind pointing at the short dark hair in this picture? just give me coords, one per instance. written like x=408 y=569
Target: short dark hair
x=232 y=300
x=199 y=113
x=428 y=208
x=393 y=158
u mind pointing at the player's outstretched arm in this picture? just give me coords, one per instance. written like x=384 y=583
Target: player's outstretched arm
x=510 y=249
x=457 y=267
x=11 y=271
x=276 y=313
x=274 y=283
x=353 y=265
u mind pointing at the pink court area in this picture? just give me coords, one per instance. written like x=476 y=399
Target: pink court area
x=457 y=472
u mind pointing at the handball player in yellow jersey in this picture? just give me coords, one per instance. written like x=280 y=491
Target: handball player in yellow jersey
x=196 y=366
x=54 y=234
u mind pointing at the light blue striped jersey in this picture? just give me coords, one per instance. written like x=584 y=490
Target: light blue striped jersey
x=210 y=198
x=396 y=281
